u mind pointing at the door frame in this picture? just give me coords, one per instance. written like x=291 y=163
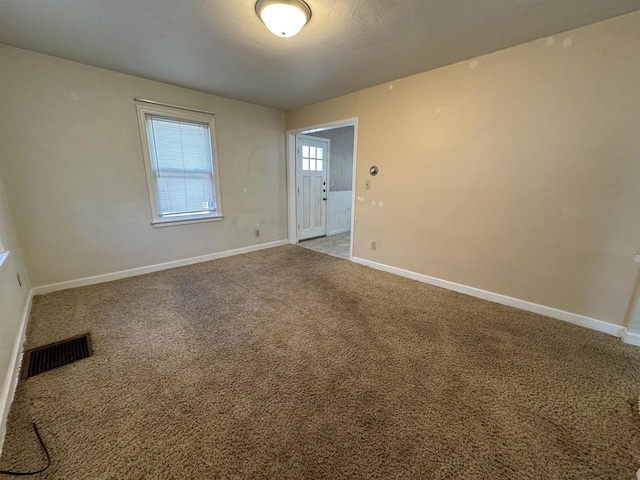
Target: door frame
x=291 y=173
x=326 y=186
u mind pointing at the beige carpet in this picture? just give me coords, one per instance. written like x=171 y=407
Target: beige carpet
x=289 y=364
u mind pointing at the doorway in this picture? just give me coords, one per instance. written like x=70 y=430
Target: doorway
x=321 y=178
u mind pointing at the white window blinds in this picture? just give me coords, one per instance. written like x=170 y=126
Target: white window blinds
x=182 y=163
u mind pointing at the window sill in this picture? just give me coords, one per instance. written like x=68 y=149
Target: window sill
x=186 y=221
x=3 y=257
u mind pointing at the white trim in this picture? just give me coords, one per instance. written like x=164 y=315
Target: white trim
x=108 y=277
x=592 y=323
x=188 y=109
x=631 y=338
x=13 y=374
x=292 y=212
x=187 y=221
x=291 y=173
x=353 y=190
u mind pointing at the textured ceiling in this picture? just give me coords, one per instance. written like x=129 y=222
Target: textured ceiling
x=222 y=47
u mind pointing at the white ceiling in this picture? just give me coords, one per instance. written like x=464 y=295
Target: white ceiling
x=222 y=47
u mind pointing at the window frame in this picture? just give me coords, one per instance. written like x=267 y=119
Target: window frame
x=143 y=110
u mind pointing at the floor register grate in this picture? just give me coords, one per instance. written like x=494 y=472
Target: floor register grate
x=43 y=359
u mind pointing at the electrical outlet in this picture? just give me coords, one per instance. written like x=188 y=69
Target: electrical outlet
x=257 y=233
x=374 y=245
x=367 y=185
x=637 y=258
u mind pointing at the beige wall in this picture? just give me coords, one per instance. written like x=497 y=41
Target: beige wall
x=13 y=299
x=341 y=160
x=74 y=174
x=517 y=173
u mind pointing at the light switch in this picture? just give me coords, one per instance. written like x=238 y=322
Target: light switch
x=367 y=185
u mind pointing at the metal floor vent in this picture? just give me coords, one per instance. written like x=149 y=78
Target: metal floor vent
x=55 y=355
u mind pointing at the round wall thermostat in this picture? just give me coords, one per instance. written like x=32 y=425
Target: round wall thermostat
x=373 y=171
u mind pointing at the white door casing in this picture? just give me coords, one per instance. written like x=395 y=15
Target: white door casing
x=312 y=161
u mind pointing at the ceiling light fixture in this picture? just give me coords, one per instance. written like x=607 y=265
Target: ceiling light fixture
x=283 y=18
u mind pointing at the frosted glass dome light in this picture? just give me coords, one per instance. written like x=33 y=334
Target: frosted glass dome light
x=284 y=18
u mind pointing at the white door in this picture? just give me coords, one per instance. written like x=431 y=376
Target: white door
x=312 y=157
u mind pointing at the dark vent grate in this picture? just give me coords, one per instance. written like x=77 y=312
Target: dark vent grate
x=52 y=356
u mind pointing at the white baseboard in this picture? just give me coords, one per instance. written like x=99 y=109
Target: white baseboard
x=108 y=277
x=631 y=338
x=337 y=232
x=592 y=323
x=13 y=374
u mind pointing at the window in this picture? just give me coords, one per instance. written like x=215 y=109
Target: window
x=180 y=161
x=312 y=158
